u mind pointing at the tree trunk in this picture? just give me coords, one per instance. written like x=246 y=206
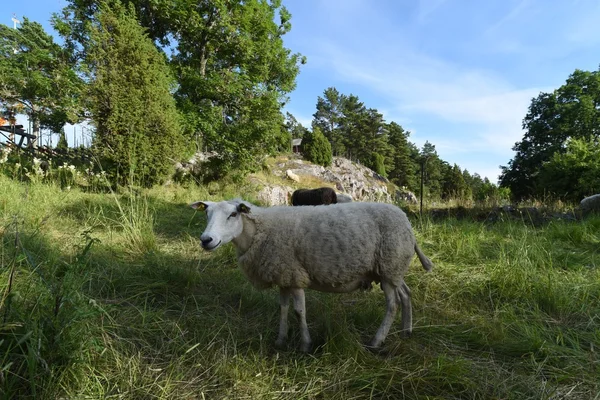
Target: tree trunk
x=36 y=132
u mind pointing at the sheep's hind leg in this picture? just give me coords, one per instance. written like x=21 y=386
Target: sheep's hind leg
x=284 y=305
x=300 y=309
x=403 y=293
x=392 y=306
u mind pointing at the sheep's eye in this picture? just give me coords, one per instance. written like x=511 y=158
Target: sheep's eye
x=232 y=215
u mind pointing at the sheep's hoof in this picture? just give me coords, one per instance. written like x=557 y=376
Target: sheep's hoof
x=406 y=334
x=373 y=345
x=306 y=347
x=281 y=344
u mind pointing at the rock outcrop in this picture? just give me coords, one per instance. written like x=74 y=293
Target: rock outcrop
x=346 y=177
x=358 y=181
x=274 y=195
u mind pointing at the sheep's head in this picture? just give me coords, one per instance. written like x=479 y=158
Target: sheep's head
x=224 y=221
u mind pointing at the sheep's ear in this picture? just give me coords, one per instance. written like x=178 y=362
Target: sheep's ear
x=200 y=205
x=243 y=208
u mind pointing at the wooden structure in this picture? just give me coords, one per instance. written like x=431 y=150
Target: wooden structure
x=297 y=145
x=14 y=131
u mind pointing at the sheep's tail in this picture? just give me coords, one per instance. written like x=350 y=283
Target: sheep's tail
x=426 y=262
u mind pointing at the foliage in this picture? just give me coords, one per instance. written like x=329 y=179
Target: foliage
x=232 y=69
x=130 y=100
x=62 y=140
x=379 y=164
x=574 y=173
x=354 y=131
x=316 y=147
x=294 y=128
x=37 y=77
x=404 y=170
x=570 y=112
x=433 y=170
x=328 y=118
x=361 y=134
x=454 y=185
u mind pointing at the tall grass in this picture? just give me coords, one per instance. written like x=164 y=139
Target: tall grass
x=110 y=296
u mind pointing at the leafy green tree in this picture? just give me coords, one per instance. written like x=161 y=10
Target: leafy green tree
x=486 y=191
x=574 y=173
x=37 y=77
x=316 y=147
x=570 y=112
x=130 y=99
x=232 y=68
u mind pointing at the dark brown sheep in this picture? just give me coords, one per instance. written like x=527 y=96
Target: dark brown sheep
x=314 y=197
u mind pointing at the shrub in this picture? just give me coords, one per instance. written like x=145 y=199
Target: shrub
x=317 y=148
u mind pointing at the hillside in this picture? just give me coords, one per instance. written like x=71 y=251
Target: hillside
x=283 y=174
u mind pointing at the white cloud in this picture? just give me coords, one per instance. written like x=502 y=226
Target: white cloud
x=420 y=84
x=515 y=12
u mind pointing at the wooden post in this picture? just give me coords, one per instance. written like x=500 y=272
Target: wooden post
x=423 y=163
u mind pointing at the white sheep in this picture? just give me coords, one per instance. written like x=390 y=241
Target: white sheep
x=344 y=198
x=590 y=204
x=335 y=248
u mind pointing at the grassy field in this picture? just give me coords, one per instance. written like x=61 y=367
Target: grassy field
x=110 y=296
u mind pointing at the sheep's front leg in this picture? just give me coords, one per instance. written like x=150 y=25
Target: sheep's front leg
x=300 y=309
x=284 y=305
x=392 y=306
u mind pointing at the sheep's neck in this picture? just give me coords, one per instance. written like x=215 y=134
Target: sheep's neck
x=244 y=240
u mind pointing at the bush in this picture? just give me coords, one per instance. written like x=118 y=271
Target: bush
x=137 y=125
x=317 y=148
x=379 y=164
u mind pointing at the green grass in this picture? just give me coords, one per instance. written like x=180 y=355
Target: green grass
x=111 y=297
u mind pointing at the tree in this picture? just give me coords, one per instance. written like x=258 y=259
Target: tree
x=574 y=173
x=232 y=69
x=328 y=118
x=37 y=77
x=570 y=112
x=317 y=148
x=62 y=140
x=379 y=164
x=294 y=129
x=454 y=185
x=354 y=131
x=403 y=170
x=130 y=99
x=433 y=170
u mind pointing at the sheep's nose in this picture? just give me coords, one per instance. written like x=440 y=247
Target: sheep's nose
x=205 y=240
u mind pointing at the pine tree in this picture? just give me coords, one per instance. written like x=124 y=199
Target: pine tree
x=454 y=185
x=379 y=164
x=62 y=140
x=433 y=170
x=404 y=170
x=316 y=147
x=130 y=98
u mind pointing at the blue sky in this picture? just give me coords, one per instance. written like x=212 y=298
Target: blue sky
x=460 y=74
